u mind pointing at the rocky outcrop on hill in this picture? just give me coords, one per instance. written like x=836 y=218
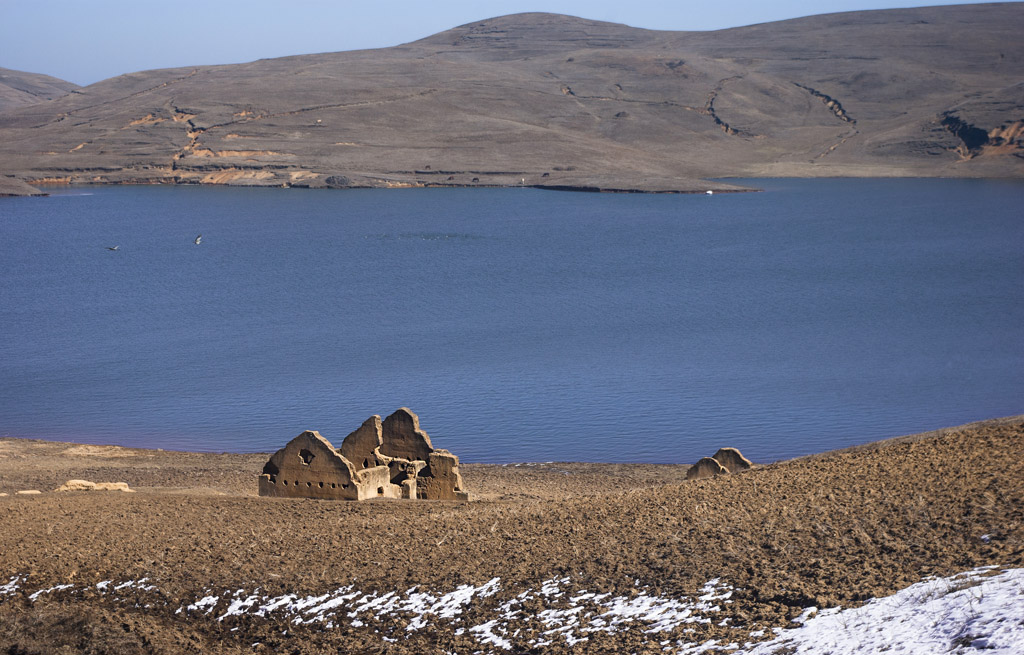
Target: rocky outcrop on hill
x=558 y=102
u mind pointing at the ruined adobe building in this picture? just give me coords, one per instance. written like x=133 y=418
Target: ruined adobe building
x=382 y=459
x=726 y=460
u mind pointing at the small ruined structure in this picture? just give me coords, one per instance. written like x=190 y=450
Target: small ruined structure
x=726 y=460
x=392 y=458
x=706 y=467
x=732 y=460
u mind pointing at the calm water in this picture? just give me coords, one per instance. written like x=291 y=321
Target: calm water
x=521 y=325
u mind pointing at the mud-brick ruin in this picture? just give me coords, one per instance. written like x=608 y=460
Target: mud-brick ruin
x=726 y=460
x=392 y=458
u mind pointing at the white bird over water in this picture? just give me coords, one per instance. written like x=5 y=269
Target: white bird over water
x=113 y=247
x=199 y=239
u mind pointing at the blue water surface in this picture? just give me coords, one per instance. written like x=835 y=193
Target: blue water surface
x=521 y=325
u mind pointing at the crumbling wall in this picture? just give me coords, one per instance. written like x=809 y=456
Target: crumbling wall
x=308 y=467
x=726 y=460
x=706 y=467
x=392 y=458
x=732 y=460
x=402 y=437
x=375 y=482
x=441 y=480
x=360 y=447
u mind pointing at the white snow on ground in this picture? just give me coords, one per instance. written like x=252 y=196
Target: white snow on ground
x=485 y=635
x=11 y=587
x=60 y=587
x=981 y=609
x=569 y=614
x=138 y=584
x=964 y=613
x=207 y=603
x=589 y=612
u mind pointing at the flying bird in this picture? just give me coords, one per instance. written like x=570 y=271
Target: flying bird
x=199 y=239
x=113 y=247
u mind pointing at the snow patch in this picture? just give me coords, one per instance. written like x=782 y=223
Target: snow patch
x=485 y=634
x=207 y=603
x=959 y=614
x=60 y=587
x=979 y=609
x=12 y=586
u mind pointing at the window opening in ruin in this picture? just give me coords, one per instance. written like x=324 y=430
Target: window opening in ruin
x=309 y=484
x=380 y=491
x=344 y=485
x=333 y=485
x=306 y=456
x=366 y=463
x=321 y=485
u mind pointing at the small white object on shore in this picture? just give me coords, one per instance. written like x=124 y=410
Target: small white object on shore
x=710 y=192
x=86 y=485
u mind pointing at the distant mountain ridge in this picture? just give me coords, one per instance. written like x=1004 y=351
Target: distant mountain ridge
x=562 y=102
x=18 y=88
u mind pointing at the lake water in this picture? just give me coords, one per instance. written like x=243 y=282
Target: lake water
x=521 y=325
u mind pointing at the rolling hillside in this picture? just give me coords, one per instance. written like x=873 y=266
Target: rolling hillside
x=556 y=101
x=18 y=88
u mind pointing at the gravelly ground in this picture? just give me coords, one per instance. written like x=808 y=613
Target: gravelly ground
x=837 y=528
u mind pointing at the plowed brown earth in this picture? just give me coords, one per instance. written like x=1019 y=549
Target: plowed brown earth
x=835 y=528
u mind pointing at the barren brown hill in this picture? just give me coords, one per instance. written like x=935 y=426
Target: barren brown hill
x=556 y=101
x=18 y=88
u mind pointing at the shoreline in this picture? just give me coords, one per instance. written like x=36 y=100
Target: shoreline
x=914 y=436
x=832 y=529
x=866 y=446
x=36 y=187
x=17 y=187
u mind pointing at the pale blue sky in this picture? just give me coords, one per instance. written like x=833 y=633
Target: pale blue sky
x=85 y=41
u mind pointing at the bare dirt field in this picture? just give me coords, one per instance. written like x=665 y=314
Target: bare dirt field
x=195 y=562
